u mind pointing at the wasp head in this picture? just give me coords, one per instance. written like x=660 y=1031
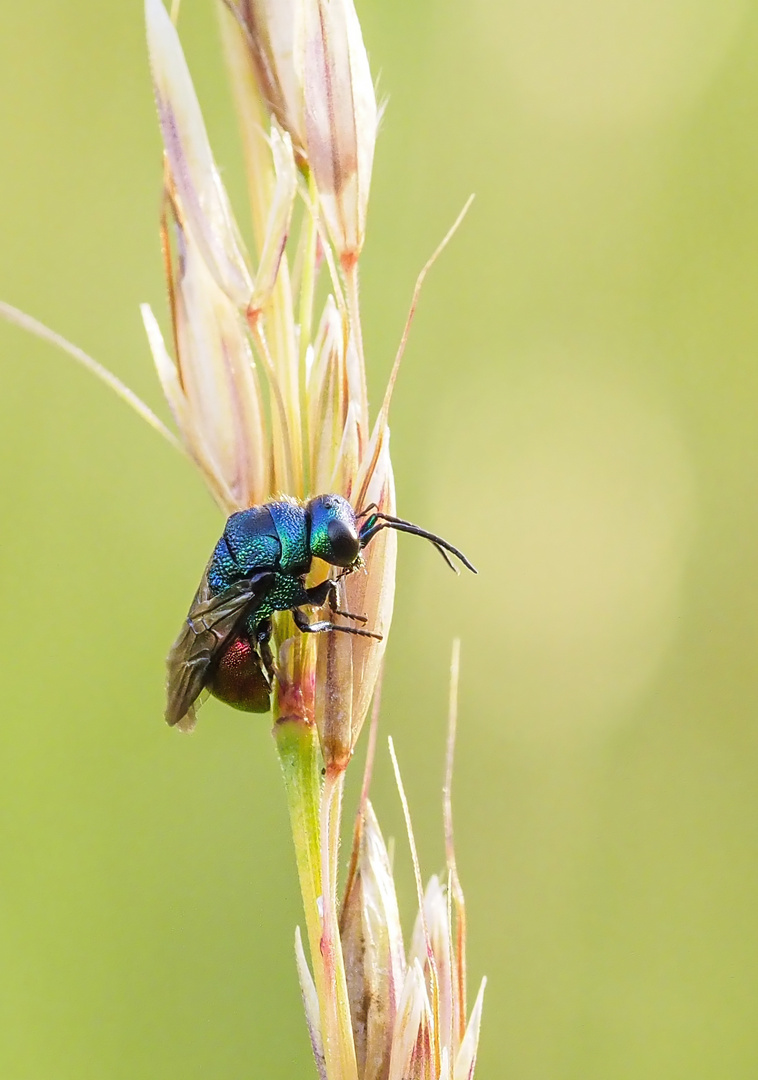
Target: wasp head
x=334 y=533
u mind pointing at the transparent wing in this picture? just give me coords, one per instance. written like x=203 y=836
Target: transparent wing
x=210 y=623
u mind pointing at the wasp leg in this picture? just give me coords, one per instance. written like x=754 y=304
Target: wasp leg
x=301 y=622
x=319 y=594
x=327 y=591
x=263 y=637
x=349 y=615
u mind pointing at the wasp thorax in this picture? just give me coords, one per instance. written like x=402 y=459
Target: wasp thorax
x=334 y=534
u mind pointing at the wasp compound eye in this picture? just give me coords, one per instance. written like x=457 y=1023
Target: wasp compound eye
x=343 y=543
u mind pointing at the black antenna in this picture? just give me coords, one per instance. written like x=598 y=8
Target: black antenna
x=379 y=521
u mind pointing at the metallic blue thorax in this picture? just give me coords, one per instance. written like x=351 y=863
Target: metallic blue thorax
x=273 y=537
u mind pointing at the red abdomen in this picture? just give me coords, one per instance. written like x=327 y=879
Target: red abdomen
x=239 y=678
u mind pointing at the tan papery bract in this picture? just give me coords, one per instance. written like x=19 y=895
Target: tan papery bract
x=278 y=222
x=413 y=1009
x=273 y=34
x=465 y=1062
x=192 y=438
x=219 y=379
x=348 y=667
x=327 y=398
x=311 y=1005
x=340 y=118
x=373 y=946
x=204 y=203
x=438 y=925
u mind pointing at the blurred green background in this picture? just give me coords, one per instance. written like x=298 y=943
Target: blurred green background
x=577 y=410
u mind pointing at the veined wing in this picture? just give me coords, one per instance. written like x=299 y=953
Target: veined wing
x=208 y=627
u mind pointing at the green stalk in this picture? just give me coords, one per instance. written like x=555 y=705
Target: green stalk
x=315 y=817
x=300 y=757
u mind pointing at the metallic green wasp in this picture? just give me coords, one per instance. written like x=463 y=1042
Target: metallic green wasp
x=258 y=567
